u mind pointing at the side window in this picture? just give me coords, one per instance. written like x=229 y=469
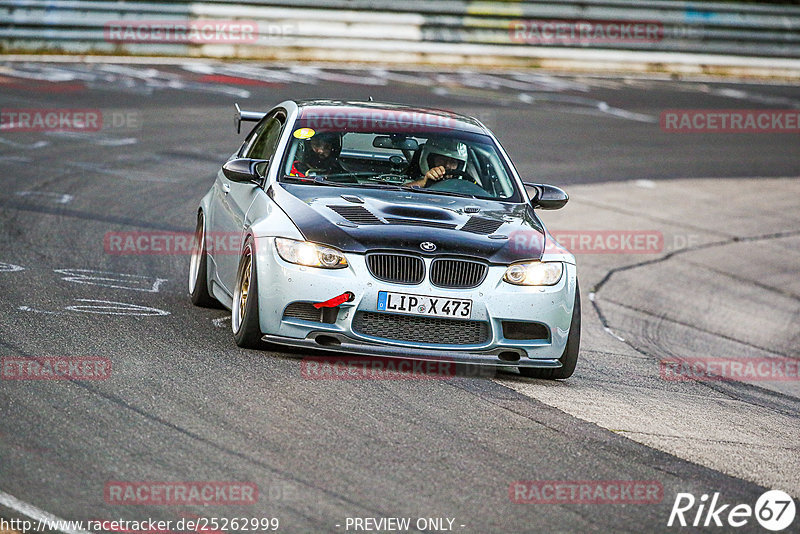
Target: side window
x=265 y=139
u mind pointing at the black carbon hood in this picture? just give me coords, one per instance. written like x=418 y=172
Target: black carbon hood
x=355 y=219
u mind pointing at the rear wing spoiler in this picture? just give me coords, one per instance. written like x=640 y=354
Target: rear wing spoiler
x=249 y=116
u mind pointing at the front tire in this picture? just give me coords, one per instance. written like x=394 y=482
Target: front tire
x=198 y=268
x=244 y=313
x=570 y=356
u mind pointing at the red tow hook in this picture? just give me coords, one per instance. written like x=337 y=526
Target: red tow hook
x=335 y=301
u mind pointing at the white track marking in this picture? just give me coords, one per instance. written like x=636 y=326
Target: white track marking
x=10 y=268
x=646 y=184
x=624 y=114
x=738 y=94
x=320 y=74
x=58 y=198
x=125 y=141
x=16 y=159
x=104 y=77
x=34 y=310
x=411 y=79
x=607 y=329
x=108 y=307
x=28 y=510
x=31 y=146
x=249 y=72
x=33 y=71
x=220 y=321
x=132 y=282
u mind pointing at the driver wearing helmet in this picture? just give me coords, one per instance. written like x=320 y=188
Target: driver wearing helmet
x=439 y=158
x=321 y=155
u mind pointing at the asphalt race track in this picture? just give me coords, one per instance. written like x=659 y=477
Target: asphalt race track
x=183 y=403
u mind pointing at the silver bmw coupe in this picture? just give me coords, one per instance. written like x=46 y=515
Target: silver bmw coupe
x=386 y=230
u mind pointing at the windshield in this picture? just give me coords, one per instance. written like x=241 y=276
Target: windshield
x=445 y=162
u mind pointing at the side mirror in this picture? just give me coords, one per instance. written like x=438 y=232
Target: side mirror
x=244 y=170
x=546 y=197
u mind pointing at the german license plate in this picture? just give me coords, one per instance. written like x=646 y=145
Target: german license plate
x=424 y=305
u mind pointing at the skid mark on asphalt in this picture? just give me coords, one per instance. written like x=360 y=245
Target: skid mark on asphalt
x=727 y=441
x=593 y=295
x=649 y=217
x=95 y=138
x=670 y=255
x=133 y=175
x=688 y=325
x=744 y=280
x=66 y=212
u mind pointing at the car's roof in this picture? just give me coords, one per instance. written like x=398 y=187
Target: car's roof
x=339 y=112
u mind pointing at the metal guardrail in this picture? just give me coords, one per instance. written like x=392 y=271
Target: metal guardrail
x=414 y=26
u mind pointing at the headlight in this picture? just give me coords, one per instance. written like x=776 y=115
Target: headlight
x=309 y=254
x=534 y=273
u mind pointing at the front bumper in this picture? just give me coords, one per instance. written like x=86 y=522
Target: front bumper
x=494 y=301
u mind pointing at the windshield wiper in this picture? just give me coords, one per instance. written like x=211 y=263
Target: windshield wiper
x=436 y=192
x=321 y=180
x=391 y=187
x=315 y=180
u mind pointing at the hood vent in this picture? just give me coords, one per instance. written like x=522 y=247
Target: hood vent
x=482 y=225
x=356 y=214
x=420 y=222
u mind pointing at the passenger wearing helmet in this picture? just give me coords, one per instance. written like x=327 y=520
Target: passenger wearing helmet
x=320 y=155
x=439 y=158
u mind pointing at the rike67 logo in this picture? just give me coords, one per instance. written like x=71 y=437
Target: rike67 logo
x=774 y=510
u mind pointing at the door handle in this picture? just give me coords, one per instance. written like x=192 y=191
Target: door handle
x=226 y=188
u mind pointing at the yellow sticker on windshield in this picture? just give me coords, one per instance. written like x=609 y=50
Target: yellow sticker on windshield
x=304 y=133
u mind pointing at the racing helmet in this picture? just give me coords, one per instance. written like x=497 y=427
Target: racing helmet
x=308 y=156
x=450 y=148
x=332 y=138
